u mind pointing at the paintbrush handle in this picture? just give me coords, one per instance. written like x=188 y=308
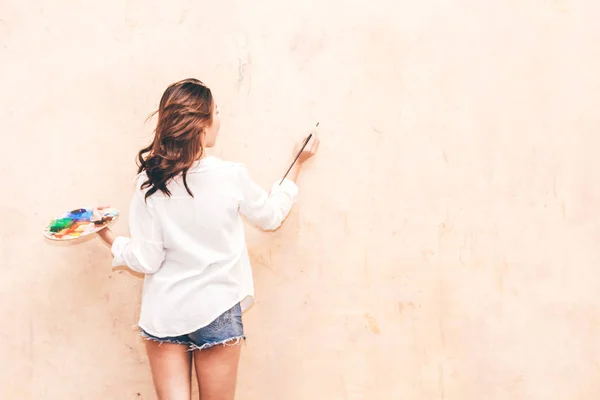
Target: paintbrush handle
x=296 y=158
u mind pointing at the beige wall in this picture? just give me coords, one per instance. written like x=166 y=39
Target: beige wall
x=445 y=245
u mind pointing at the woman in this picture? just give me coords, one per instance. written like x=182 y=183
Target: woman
x=187 y=237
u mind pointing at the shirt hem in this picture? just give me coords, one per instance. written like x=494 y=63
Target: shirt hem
x=187 y=332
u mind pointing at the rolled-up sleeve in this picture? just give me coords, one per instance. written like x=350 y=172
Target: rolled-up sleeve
x=144 y=251
x=266 y=210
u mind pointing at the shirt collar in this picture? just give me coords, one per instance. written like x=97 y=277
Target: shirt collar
x=205 y=163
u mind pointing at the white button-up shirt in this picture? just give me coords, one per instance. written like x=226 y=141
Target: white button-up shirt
x=193 y=249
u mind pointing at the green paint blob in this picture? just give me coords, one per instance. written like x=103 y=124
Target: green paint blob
x=60 y=224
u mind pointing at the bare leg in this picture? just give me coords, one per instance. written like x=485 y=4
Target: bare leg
x=216 y=370
x=171 y=366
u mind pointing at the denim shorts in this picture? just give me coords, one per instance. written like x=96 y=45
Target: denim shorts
x=227 y=330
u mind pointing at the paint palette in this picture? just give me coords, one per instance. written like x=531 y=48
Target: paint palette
x=79 y=223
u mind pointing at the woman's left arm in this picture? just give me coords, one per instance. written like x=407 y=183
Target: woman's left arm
x=144 y=252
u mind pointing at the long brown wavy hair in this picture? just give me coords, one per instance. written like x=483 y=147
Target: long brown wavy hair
x=185 y=111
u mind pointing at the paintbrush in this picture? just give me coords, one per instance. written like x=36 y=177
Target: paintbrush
x=298 y=155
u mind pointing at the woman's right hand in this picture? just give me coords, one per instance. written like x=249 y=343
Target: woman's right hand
x=309 y=150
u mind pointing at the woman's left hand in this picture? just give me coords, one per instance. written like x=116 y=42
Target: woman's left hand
x=105 y=233
x=96 y=214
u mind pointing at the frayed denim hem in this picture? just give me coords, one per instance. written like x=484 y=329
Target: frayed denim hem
x=145 y=336
x=234 y=341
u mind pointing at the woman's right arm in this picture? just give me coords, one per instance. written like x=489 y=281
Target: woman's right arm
x=269 y=210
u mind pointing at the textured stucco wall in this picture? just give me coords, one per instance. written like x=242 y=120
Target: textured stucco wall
x=445 y=245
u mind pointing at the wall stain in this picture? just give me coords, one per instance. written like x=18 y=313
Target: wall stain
x=427 y=254
x=257 y=259
x=244 y=64
x=407 y=306
x=373 y=325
